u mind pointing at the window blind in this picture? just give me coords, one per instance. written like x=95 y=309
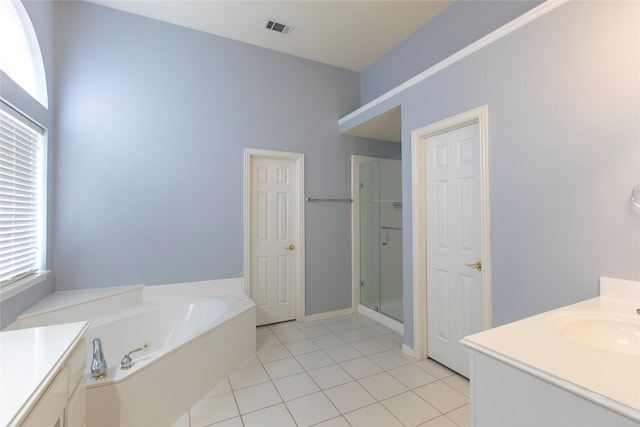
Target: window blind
x=20 y=143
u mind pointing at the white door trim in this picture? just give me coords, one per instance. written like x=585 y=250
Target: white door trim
x=356 y=161
x=249 y=154
x=419 y=215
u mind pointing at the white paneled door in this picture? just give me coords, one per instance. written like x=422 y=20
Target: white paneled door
x=454 y=279
x=273 y=238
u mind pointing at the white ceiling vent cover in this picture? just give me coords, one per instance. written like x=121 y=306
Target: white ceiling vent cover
x=278 y=27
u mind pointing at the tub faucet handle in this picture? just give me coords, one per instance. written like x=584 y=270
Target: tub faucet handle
x=98 y=363
x=126 y=361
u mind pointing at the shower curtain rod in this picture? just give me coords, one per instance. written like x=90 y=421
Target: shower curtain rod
x=384 y=227
x=311 y=199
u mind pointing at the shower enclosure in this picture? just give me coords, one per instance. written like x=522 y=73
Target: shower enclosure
x=381 y=236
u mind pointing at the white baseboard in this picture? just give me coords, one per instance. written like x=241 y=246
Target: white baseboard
x=328 y=314
x=381 y=318
x=408 y=351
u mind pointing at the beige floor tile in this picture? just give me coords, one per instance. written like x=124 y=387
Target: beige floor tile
x=257 y=397
x=306 y=324
x=251 y=361
x=283 y=327
x=334 y=422
x=410 y=409
x=291 y=336
x=301 y=347
x=343 y=352
x=370 y=346
x=248 y=376
x=392 y=341
x=382 y=385
x=221 y=388
x=353 y=335
x=282 y=368
x=412 y=376
x=233 y=422
x=332 y=319
x=269 y=354
x=330 y=376
x=316 y=331
x=262 y=331
x=295 y=360
x=273 y=416
x=213 y=410
x=311 y=409
x=374 y=415
x=370 y=330
x=461 y=416
x=434 y=368
x=338 y=326
x=402 y=354
x=388 y=359
x=266 y=341
x=360 y=367
x=326 y=341
x=314 y=360
x=441 y=421
x=442 y=396
x=295 y=386
x=361 y=321
x=349 y=397
x=458 y=382
x=382 y=330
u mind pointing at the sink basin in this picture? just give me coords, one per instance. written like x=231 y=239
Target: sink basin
x=620 y=335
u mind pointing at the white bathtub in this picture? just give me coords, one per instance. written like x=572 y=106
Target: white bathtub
x=195 y=342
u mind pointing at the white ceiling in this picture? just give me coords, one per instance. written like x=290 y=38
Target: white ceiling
x=347 y=34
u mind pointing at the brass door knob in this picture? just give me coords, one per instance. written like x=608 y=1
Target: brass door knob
x=476 y=265
x=290 y=247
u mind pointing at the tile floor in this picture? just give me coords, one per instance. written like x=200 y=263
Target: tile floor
x=342 y=371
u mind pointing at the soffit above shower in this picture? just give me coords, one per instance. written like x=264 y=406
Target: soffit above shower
x=386 y=127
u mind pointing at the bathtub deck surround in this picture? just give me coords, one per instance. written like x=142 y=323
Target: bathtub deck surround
x=75 y=306
x=81 y=304
x=582 y=359
x=184 y=335
x=345 y=370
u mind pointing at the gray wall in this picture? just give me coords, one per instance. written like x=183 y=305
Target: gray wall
x=42 y=16
x=457 y=26
x=152 y=121
x=564 y=152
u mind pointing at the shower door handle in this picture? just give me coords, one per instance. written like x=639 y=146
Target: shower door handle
x=476 y=265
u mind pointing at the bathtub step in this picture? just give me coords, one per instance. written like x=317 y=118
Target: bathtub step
x=79 y=301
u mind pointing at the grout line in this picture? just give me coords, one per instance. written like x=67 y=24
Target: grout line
x=322 y=350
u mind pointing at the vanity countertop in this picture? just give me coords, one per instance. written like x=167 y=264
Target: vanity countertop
x=580 y=357
x=29 y=360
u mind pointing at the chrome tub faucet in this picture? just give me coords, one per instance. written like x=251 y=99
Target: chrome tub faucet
x=98 y=364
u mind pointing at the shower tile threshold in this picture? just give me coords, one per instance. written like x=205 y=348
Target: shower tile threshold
x=342 y=371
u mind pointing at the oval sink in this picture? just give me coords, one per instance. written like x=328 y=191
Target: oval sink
x=620 y=335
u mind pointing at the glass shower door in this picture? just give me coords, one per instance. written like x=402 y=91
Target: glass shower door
x=369 y=235
x=391 y=238
x=381 y=236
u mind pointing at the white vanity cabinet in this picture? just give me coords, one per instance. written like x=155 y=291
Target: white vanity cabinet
x=502 y=395
x=50 y=406
x=578 y=365
x=41 y=376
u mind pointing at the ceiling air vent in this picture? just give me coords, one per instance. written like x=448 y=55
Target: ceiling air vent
x=278 y=27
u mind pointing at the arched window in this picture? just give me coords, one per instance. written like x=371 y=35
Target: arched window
x=20 y=55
